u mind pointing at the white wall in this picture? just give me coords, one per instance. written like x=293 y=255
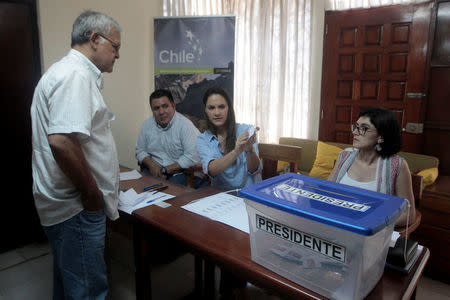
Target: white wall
x=127 y=89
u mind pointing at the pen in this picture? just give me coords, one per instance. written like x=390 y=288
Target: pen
x=150 y=201
x=147 y=188
x=160 y=189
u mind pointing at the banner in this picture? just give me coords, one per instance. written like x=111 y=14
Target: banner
x=191 y=55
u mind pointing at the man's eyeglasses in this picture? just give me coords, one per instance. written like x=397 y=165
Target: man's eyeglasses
x=360 y=129
x=115 y=45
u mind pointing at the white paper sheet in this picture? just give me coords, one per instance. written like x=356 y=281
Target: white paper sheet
x=394 y=237
x=251 y=131
x=130 y=175
x=130 y=200
x=222 y=207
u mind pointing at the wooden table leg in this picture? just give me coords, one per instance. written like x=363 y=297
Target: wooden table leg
x=198 y=277
x=142 y=264
x=210 y=280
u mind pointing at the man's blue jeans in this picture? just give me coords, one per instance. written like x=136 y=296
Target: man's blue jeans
x=79 y=269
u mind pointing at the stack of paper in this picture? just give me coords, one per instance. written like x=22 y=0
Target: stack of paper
x=130 y=175
x=222 y=207
x=130 y=200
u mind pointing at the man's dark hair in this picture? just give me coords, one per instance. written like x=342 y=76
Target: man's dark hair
x=387 y=127
x=161 y=93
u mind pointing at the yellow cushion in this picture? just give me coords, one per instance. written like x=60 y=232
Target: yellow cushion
x=429 y=176
x=283 y=166
x=326 y=156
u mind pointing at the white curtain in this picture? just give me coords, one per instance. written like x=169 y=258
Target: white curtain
x=349 y=4
x=272 y=61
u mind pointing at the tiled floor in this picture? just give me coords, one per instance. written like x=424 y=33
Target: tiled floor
x=26 y=273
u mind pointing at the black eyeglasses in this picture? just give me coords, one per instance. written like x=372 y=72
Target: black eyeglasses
x=360 y=129
x=115 y=45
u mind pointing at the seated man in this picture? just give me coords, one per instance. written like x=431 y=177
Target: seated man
x=167 y=141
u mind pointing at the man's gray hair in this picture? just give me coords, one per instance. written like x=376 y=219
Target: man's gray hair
x=91 y=21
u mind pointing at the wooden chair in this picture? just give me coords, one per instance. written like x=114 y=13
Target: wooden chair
x=417 y=182
x=270 y=154
x=190 y=172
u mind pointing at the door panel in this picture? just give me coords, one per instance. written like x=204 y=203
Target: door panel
x=375 y=57
x=19 y=74
x=437 y=125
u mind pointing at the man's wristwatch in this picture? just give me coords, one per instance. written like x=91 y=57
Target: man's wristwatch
x=164 y=171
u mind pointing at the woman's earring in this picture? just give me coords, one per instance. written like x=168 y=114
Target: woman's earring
x=378 y=147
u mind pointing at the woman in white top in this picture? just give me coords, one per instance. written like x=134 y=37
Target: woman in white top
x=372 y=163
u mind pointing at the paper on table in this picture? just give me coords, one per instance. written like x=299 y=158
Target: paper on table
x=130 y=175
x=394 y=237
x=222 y=207
x=130 y=200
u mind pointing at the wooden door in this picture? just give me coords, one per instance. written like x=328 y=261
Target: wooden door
x=19 y=73
x=437 y=123
x=375 y=57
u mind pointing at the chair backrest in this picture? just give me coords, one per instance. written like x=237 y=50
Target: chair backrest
x=270 y=154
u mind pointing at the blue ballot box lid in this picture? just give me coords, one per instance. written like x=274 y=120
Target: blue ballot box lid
x=353 y=209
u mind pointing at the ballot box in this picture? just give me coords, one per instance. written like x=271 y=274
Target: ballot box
x=330 y=238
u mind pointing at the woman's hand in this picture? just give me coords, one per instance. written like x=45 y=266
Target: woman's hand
x=241 y=143
x=245 y=143
x=248 y=146
x=252 y=158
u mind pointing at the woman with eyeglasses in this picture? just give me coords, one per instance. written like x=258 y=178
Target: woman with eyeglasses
x=372 y=163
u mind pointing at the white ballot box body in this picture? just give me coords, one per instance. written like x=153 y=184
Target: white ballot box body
x=327 y=237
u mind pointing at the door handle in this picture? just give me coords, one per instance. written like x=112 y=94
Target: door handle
x=416 y=128
x=416 y=95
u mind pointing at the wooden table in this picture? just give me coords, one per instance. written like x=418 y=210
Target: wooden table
x=134 y=231
x=229 y=248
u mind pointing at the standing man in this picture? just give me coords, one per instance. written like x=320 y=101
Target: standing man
x=167 y=141
x=75 y=166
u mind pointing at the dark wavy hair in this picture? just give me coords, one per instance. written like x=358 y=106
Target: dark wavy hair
x=387 y=126
x=161 y=93
x=230 y=124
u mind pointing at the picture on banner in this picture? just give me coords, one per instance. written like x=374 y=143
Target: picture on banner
x=193 y=54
